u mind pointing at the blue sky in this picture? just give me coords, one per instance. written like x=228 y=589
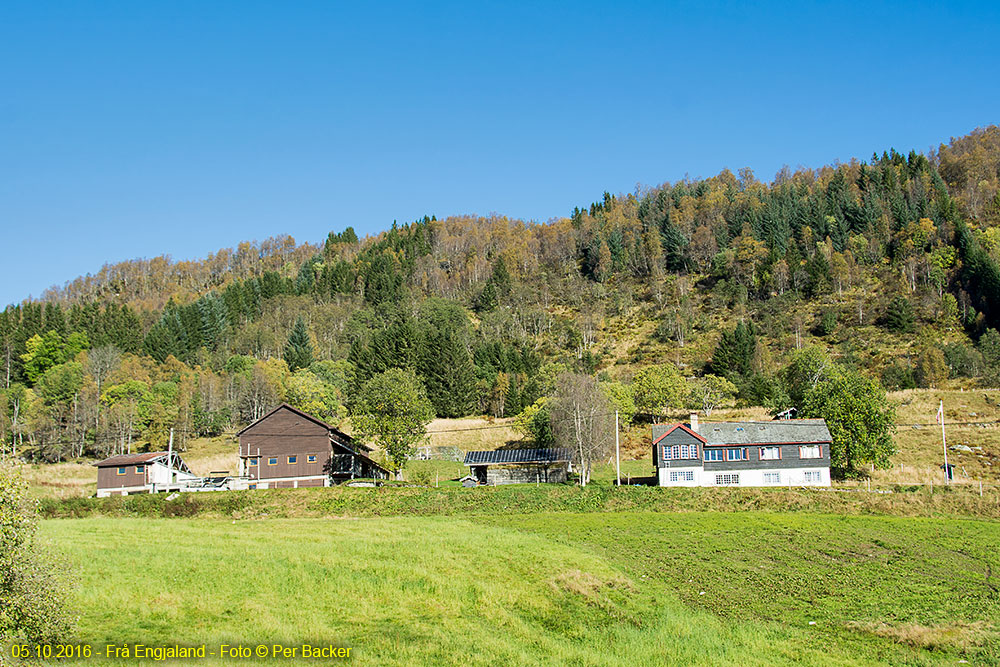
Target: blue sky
x=138 y=129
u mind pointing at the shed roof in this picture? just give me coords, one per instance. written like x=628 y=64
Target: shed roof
x=544 y=455
x=130 y=459
x=787 y=431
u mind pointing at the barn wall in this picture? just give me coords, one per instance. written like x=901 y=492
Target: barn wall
x=108 y=478
x=526 y=474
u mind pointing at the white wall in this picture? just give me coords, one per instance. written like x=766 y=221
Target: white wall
x=787 y=477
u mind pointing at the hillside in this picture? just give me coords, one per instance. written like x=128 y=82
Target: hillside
x=889 y=265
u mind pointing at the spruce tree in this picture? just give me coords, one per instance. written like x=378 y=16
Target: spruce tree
x=448 y=373
x=298 y=351
x=899 y=316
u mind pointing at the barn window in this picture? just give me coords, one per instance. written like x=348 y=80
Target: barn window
x=254 y=461
x=273 y=461
x=311 y=458
x=122 y=470
x=140 y=469
x=293 y=460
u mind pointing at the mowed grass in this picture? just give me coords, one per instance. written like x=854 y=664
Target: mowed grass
x=587 y=589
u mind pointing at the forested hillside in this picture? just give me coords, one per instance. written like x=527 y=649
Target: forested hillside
x=732 y=287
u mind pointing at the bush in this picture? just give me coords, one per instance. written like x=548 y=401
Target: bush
x=963 y=360
x=32 y=596
x=898 y=376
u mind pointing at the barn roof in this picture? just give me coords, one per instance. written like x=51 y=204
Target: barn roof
x=316 y=420
x=788 y=431
x=129 y=459
x=545 y=455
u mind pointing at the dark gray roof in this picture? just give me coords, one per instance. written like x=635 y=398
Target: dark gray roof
x=549 y=455
x=764 y=433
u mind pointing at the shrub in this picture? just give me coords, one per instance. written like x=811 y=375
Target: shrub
x=32 y=597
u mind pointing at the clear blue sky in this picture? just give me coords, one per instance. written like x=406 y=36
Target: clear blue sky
x=136 y=129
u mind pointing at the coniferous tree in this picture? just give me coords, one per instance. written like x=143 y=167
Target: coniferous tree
x=448 y=374
x=899 y=316
x=299 y=350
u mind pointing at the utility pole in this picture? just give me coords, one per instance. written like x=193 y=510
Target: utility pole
x=944 y=443
x=170 y=459
x=618 y=458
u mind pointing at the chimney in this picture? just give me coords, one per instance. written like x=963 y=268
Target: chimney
x=694 y=422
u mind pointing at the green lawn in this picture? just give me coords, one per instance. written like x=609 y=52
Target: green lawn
x=587 y=589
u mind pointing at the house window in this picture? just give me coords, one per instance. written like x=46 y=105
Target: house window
x=815 y=476
x=713 y=455
x=140 y=469
x=254 y=461
x=680 y=452
x=311 y=458
x=682 y=475
x=772 y=478
x=737 y=454
x=810 y=452
x=122 y=471
x=770 y=453
x=727 y=480
x=292 y=460
x=253 y=487
x=272 y=461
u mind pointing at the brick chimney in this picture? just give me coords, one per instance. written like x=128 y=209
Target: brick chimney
x=694 y=422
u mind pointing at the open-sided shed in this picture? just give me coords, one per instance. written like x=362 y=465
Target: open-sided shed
x=520 y=466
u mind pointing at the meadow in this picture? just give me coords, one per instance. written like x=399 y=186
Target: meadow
x=649 y=588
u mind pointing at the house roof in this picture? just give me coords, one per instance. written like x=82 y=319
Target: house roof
x=130 y=459
x=670 y=428
x=316 y=420
x=546 y=455
x=789 y=431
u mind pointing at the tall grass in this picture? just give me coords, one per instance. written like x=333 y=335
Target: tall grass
x=398 y=591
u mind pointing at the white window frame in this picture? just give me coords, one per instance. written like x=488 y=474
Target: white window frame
x=744 y=453
x=727 y=479
x=765 y=453
x=813 y=476
x=818 y=449
x=717 y=454
x=775 y=478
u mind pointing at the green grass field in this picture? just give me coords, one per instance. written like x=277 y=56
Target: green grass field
x=587 y=588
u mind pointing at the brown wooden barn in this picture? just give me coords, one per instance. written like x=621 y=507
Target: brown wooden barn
x=288 y=448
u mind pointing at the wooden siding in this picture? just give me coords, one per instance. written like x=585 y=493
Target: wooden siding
x=789 y=459
x=677 y=437
x=302 y=468
x=108 y=478
x=284 y=432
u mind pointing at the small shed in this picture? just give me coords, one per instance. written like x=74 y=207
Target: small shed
x=148 y=472
x=520 y=466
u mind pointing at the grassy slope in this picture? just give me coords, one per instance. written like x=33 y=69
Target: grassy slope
x=579 y=589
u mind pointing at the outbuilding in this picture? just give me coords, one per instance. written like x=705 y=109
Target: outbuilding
x=520 y=466
x=148 y=472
